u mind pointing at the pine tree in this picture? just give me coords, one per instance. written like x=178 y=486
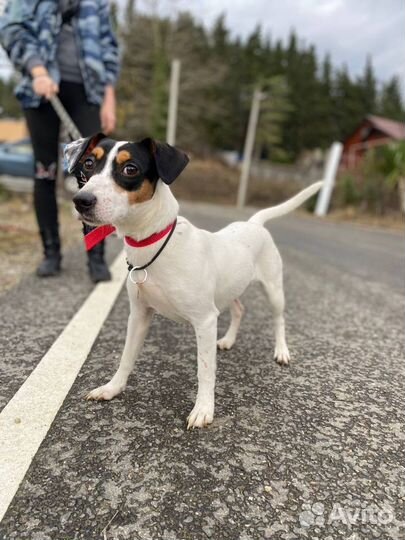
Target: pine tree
x=325 y=117
x=275 y=108
x=220 y=37
x=349 y=106
x=133 y=88
x=224 y=127
x=160 y=76
x=368 y=88
x=390 y=101
x=278 y=64
x=252 y=57
x=301 y=72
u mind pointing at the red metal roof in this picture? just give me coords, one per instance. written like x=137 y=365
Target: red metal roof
x=393 y=129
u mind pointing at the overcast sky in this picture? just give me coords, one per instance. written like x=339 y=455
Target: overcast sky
x=348 y=29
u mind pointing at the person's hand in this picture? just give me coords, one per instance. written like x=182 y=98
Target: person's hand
x=107 y=111
x=42 y=83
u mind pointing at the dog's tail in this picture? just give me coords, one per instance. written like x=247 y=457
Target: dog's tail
x=277 y=211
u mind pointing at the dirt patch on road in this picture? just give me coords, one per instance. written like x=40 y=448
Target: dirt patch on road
x=20 y=247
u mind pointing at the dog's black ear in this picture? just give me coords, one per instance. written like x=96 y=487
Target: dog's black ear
x=170 y=161
x=75 y=150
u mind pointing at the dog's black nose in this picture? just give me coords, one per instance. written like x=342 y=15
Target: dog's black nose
x=84 y=201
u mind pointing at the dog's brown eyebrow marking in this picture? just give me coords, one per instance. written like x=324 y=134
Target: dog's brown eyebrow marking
x=122 y=156
x=98 y=152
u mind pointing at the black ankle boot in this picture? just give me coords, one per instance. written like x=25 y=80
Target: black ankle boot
x=50 y=266
x=98 y=268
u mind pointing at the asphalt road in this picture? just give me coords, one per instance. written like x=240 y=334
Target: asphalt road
x=310 y=451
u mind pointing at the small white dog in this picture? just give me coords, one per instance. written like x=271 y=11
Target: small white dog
x=184 y=273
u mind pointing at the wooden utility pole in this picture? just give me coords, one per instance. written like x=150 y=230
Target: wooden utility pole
x=173 y=100
x=248 y=148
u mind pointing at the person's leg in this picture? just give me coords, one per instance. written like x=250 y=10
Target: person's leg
x=86 y=116
x=43 y=125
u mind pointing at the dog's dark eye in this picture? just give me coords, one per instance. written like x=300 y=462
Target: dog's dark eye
x=130 y=170
x=88 y=164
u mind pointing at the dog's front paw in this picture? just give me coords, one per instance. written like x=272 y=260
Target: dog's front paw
x=201 y=415
x=281 y=355
x=104 y=393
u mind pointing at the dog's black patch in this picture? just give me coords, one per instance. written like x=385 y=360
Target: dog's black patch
x=77 y=149
x=152 y=160
x=130 y=172
x=169 y=161
x=89 y=165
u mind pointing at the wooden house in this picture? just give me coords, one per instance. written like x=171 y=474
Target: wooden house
x=373 y=131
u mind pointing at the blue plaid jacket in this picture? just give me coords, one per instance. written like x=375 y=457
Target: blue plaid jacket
x=30 y=28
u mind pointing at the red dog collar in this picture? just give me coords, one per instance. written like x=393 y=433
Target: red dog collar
x=97 y=235
x=151 y=239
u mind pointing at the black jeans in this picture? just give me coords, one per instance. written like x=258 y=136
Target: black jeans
x=44 y=124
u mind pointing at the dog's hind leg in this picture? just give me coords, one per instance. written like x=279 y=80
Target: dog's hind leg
x=270 y=274
x=228 y=340
x=206 y=333
x=138 y=326
x=275 y=294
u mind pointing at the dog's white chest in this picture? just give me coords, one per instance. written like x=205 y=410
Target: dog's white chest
x=155 y=296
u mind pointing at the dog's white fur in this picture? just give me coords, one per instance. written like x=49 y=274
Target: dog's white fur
x=197 y=276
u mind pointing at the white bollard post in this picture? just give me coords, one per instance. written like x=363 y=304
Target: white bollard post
x=173 y=100
x=332 y=164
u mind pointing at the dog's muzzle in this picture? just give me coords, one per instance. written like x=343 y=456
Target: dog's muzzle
x=84 y=201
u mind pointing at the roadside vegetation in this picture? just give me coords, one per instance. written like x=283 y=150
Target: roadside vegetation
x=377 y=186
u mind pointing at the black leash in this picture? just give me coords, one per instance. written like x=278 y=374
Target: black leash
x=162 y=247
